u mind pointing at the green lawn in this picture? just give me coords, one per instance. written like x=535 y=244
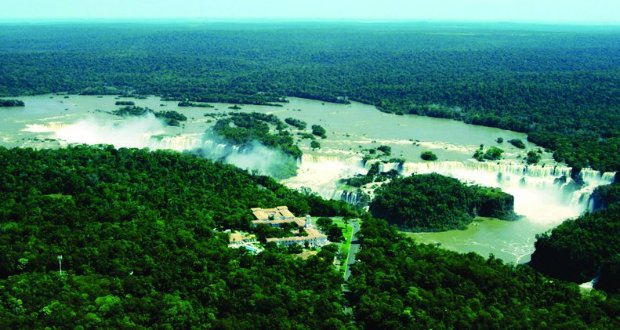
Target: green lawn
x=344 y=246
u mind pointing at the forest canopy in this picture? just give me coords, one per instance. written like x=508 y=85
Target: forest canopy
x=399 y=284
x=558 y=84
x=141 y=235
x=432 y=202
x=11 y=103
x=587 y=248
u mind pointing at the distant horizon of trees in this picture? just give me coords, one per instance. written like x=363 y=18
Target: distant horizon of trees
x=558 y=85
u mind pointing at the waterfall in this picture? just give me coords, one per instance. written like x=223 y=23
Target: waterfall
x=353 y=197
x=321 y=174
x=178 y=142
x=386 y=167
x=546 y=194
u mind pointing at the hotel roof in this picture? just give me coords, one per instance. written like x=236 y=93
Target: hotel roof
x=277 y=213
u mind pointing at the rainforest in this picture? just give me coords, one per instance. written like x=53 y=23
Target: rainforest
x=464 y=174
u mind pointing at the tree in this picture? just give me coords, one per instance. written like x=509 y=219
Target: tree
x=11 y=103
x=533 y=157
x=428 y=156
x=493 y=153
x=315 y=145
x=517 y=143
x=319 y=131
x=387 y=150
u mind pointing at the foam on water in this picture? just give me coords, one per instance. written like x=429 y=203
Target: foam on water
x=321 y=173
x=543 y=194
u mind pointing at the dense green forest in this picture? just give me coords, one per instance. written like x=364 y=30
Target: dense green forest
x=140 y=232
x=141 y=238
x=606 y=196
x=399 y=284
x=432 y=202
x=140 y=235
x=11 y=103
x=585 y=248
x=559 y=84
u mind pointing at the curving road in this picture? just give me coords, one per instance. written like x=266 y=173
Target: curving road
x=353 y=249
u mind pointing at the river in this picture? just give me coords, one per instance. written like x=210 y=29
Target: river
x=542 y=201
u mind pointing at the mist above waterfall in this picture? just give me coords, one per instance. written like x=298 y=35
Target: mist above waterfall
x=321 y=174
x=253 y=156
x=132 y=132
x=150 y=132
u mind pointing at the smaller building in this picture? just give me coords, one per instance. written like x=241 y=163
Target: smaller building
x=313 y=239
x=240 y=237
x=277 y=213
x=244 y=240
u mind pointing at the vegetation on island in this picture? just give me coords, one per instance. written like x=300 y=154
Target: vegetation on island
x=131 y=111
x=533 y=157
x=386 y=150
x=11 y=103
x=299 y=124
x=307 y=136
x=432 y=202
x=493 y=153
x=517 y=143
x=171 y=118
x=247 y=129
x=315 y=145
x=428 y=156
x=319 y=131
x=374 y=174
x=194 y=104
x=243 y=128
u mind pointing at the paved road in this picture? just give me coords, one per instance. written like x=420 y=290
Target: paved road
x=353 y=249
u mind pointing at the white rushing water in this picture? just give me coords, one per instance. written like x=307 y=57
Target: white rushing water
x=543 y=194
x=321 y=174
